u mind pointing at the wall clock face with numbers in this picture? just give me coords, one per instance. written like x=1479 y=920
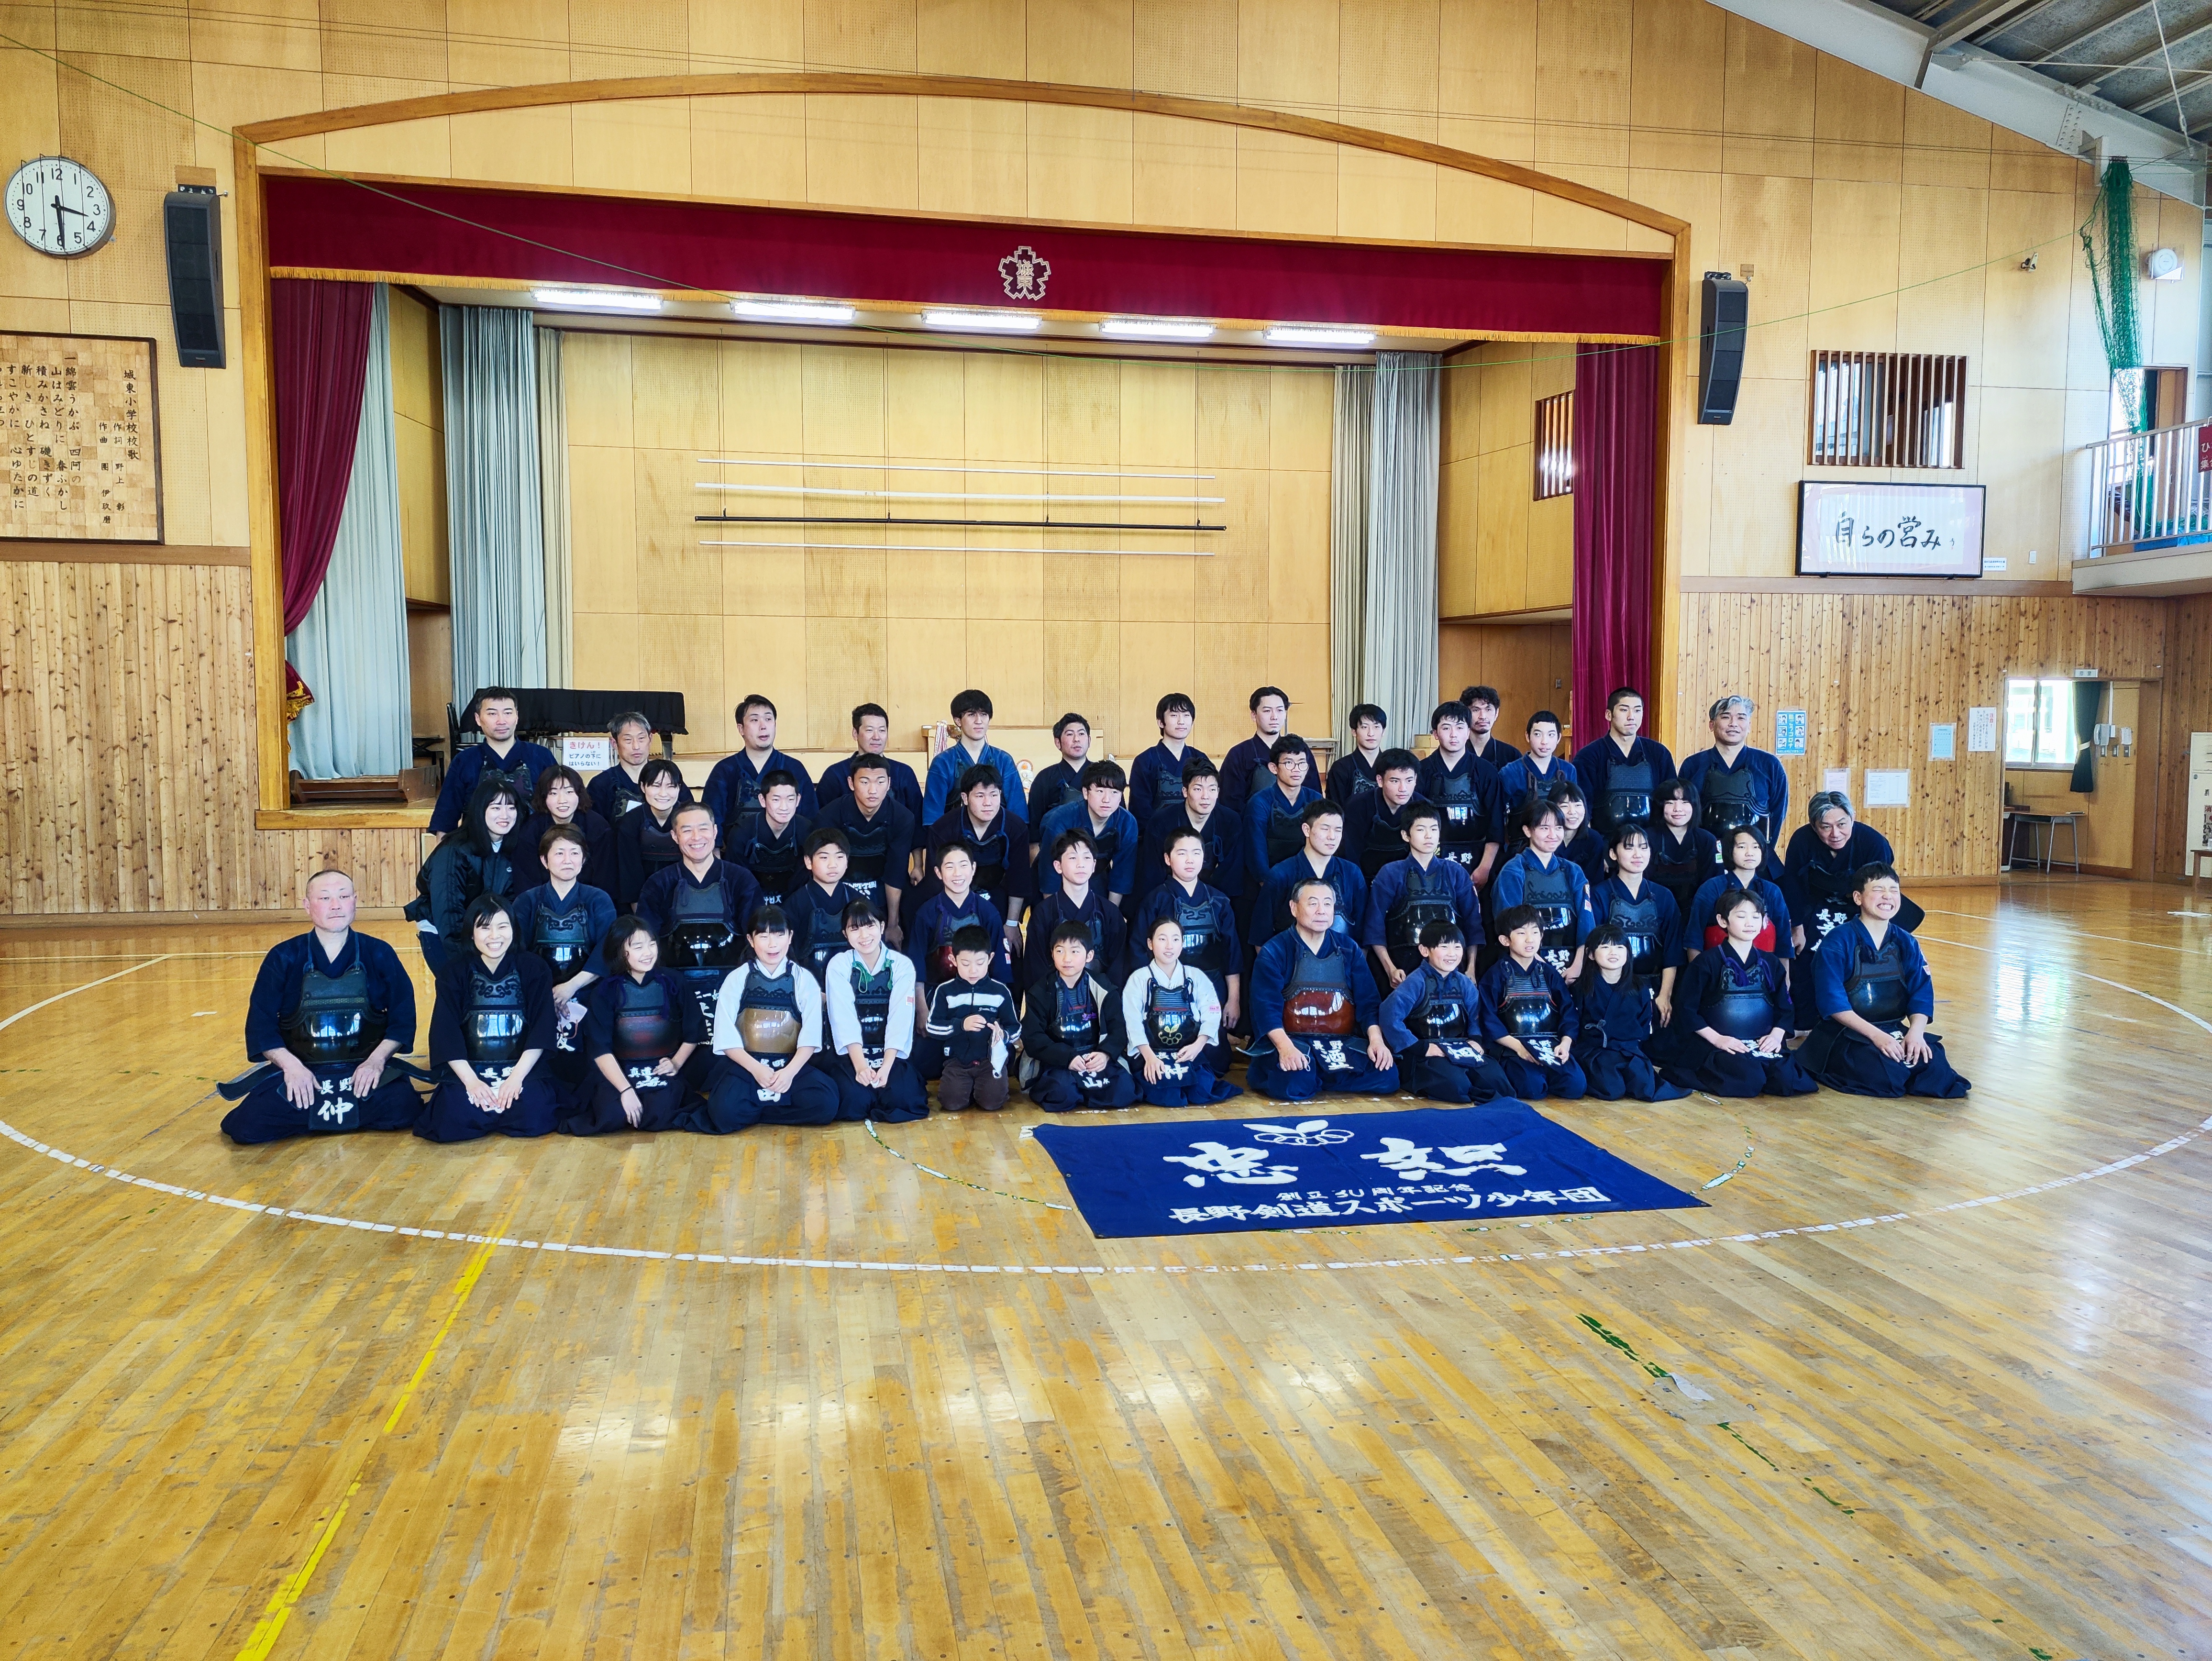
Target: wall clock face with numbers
x=59 y=207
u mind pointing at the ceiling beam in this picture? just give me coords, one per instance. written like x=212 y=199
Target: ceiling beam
x=2090 y=34
x=1975 y=19
x=2160 y=54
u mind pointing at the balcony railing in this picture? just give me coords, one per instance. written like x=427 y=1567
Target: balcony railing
x=2151 y=490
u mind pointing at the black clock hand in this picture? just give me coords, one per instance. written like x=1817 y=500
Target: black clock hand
x=64 y=208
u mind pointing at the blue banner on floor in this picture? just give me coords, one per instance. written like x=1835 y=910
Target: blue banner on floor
x=1430 y=1165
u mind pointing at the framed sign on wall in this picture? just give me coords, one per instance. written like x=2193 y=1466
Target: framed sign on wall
x=80 y=430
x=1845 y=528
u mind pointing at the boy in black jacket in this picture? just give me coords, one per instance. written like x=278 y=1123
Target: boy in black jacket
x=1072 y=1028
x=970 y=1019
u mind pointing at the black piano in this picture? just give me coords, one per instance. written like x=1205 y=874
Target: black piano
x=549 y=711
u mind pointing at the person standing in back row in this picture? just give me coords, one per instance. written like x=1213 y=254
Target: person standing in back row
x=1482 y=707
x=1466 y=787
x=1619 y=769
x=1156 y=777
x=517 y=760
x=733 y=789
x=1736 y=784
x=971 y=714
x=872 y=736
x=1244 y=768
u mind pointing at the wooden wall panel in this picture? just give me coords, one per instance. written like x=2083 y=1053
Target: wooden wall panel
x=2187 y=708
x=1531 y=664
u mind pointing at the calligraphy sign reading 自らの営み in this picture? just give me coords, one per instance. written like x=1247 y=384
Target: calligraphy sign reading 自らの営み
x=80 y=435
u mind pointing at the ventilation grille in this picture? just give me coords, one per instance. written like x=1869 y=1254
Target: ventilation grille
x=1888 y=409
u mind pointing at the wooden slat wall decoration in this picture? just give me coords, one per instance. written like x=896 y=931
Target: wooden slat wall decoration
x=1888 y=409
x=126 y=728
x=1873 y=672
x=1555 y=446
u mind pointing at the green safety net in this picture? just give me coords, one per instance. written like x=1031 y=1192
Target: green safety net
x=2108 y=242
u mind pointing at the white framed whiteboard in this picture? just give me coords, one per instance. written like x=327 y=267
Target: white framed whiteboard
x=2200 y=792
x=1845 y=528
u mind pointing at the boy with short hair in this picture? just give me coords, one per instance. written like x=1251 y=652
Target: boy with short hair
x=953 y=907
x=971 y=714
x=1466 y=787
x=1074 y=900
x=1112 y=828
x=1271 y=815
x=768 y=1027
x=767 y=843
x=1061 y=783
x=996 y=839
x=1073 y=1030
x=519 y=761
x=1433 y=1021
x=1620 y=768
x=1321 y=831
x=878 y=833
x=1156 y=777
x=1413 y=895
x=1620 y=1018
x=1207 y=916
x=1541 y=767
x=733 y=789
x=970 y=1015
x=1871 y=985
x=872 y=736
x=817 y=905
x=1732 y=1014
x=870 y=994
x=1527 y=1015
x=1482 y=707
x=1315 y=1009
x=1244 y=770
x=1200 y=810
x=1353 y=775
x=1374 y=823
x=1174 y=1026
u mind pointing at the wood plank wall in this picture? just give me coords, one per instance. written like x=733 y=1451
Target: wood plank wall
x=1500 y=551
x=1531 y=665
x=2187 y=709
x=126 y=728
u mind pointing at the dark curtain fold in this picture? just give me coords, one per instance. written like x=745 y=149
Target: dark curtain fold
x=318 y=349
x=2087 y=696
x=1615 y=441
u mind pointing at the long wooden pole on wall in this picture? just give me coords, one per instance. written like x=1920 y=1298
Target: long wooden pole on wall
x=261 y=522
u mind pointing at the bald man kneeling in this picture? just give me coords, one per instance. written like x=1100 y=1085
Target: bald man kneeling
x=329 y=1010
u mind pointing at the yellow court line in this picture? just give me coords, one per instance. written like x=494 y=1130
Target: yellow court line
x=293 y=1586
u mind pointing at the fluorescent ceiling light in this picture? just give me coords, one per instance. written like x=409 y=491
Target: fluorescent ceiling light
x=597 y=299
x=989 y=322
x=792 y=311
x=1155 y=328
x=1301 y=334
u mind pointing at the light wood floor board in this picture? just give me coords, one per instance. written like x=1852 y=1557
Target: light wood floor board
x=1978 y=1432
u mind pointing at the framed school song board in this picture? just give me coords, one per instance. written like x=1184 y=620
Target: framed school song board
x=80 y=434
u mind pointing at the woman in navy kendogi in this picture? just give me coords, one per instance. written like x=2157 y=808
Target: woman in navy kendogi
x=645 y=837
x=560 y=799
x=1683 y=854
x=643 y=1036
x=1433 y=1021
x=489 y=1030
x=1876 y=999
x=477 y=857
x=869 y=990
x=1732 y=1012
x=564 y=920
x=1619 y=1019
x=1073 y=1032
x=329 y=1010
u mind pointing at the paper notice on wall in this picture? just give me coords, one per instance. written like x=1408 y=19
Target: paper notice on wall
x=1942 y=741
x=1837 y=779
x=586 y=752
x=1981 y=729
x=1888 y=786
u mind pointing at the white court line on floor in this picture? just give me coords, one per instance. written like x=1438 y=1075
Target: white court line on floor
x=279 y=1212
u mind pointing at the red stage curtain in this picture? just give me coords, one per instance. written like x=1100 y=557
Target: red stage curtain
x=318 y=347
x=1616 y=451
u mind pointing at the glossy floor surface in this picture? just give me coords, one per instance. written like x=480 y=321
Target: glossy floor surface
x=1928 y=1380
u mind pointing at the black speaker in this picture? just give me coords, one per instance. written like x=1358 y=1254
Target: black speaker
x=191 y=224
x=1721 y=319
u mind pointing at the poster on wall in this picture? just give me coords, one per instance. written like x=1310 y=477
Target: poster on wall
x=2200 y=792
x=1888 y=787
x=81 y=433
x=1788 y=732
x=1845 y=528
x=1981 y=729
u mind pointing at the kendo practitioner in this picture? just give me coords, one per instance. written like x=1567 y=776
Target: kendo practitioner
x=620 y=788
x=1825 y=853
x=1220 y=829
x=1173 y=1025
x=956 y=905
x=1871 y=984
x=815 y=909
x=1539 y=880
x=489 y=1030
x=517 y=761
x=872 y=736
x=1075 y=898
x=1272 y=816
x=1736 y=784
x=971 y=715
x=1583 y=847
x=1320 y=830
x=328 y=1011
x=1156 y=778
x=1618 y=1017
x=998 y=844
x=1644 y=913
x=1747 y=857
x=1620 y=769
x=1466 y=787
x=1432 y=1019
x=645 y=840
x=1207 y=917
x=561 y=800
x=1683 y=854
x=1529 y=1016
x=1482 y=707
x=1536 y=770
x=970 y=1027
x=1073 y=1032
x=768 y=842
x=1245 y=768
x=1315 y=1007
x=871 y=993
x=1413 y=894
x=1112 y=829
x=695 y=909
x=563 y=920
x=733 y=789
x=1058 y=785
x=1353 y=774
x=1374 y=823
x=768 y=1027
x=476 y=858
x=644 y=1036
x=1732 y=1014
x=878 y=835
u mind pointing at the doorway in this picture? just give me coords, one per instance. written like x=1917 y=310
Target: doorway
x=2046 y=722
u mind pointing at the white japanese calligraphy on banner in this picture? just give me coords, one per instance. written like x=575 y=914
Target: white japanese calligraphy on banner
x=1849 y=529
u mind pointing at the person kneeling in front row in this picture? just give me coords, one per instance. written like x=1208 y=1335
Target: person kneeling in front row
x=1876 y=999
x=1619 y=1012
x=1433 y=1017
x=1732 y=1014
x=643 y=1036
x=1173 y=1018
x=870 y=990
x=489 y=1030
x=768 y=1027
x=1073 y=1031
x=1528 y=1013
x=1312 y=999
x=329 y=1010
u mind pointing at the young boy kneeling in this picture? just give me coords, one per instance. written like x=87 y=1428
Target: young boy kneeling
x=1072 y=1029
x=1528 y=1014
x=870 y=990
x=1618 y=1016
x=1732 y=1012
x=969 y=1017
x=1432 y=1019
x=1871 y=985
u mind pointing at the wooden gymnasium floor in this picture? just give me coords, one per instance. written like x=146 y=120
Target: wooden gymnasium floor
x=1959 y=1351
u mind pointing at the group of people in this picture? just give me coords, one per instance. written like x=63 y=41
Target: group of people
x=1477 y=923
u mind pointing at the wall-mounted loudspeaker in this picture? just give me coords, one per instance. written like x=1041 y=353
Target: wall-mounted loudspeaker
x=1722 y=316
x=191 y=225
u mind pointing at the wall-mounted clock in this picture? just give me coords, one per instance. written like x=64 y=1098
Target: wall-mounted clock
x=60 y=207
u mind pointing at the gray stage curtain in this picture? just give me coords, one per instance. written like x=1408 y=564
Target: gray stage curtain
x=553 y=496
x=493 y=498
x=1398 y=653
x=351 y=647
x=1353 y=433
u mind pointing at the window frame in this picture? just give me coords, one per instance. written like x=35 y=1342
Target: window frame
x=2061 y=691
